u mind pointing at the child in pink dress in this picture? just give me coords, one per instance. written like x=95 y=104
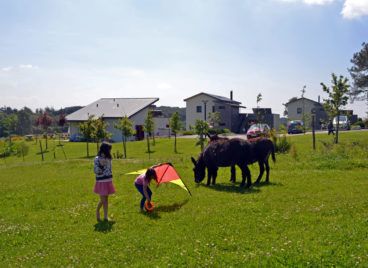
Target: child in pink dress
x=104 y=186
x=142 y=182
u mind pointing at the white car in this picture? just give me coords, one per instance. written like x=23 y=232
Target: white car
x=344 y=122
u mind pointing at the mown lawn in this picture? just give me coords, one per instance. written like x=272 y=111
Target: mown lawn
x=313 y=213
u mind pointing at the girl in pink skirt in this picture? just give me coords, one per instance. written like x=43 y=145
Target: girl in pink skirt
x=104 y=186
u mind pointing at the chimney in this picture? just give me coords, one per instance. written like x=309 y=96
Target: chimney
x=231 y=95
x=319 y=99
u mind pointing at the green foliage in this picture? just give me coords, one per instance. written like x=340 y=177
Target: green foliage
x=149 y=127
x=88 y=128
x=312 y=214
x=100 y=133
x=175 y=126
x=201 y=129
x=359 y=73
x=214 y=119
x=337 y=98
x=280 y=141
x=126 y=127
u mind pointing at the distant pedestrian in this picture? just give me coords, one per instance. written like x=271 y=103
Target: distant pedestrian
x=142 y=184
x=104 y=186
x=330 y=128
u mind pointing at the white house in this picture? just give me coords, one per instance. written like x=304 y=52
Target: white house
x=202 y=104
x=113 y=109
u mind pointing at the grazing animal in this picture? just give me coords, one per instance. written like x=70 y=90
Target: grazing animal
x=215 y=138
x=223 y=153
x=261 y=151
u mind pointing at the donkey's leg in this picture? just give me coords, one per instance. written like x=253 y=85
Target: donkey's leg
x=246 y=174
x=209 y=175
x=214 y=176
x=261 y=171
x=233 y=173
x=267 y=171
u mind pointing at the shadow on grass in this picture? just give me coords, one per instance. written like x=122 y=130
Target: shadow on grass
x=155 y=215
x=263 y=184
x=104 y=226
x=233 y=188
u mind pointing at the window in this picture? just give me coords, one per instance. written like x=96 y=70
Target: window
x=222 y=124
x=221 y=107
x=299 y=110
x=199 y=109
x=213 y=109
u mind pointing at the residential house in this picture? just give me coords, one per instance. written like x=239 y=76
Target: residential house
x=303 y=108
x=113 y=109
x=202 y=104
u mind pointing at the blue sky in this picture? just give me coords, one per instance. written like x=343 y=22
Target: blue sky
x=64 y=53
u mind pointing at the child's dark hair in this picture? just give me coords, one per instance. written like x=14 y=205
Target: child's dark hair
x=151 y=174
x=105 y=150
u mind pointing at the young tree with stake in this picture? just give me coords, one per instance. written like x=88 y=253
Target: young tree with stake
x=337 y=98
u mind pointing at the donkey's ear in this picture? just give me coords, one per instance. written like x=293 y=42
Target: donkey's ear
x=193 y=160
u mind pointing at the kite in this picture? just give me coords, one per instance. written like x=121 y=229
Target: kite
x=165 y=173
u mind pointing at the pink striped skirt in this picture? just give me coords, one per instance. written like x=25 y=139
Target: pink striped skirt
x=104 y=188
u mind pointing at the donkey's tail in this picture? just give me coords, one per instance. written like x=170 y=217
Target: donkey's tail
x=273 y=153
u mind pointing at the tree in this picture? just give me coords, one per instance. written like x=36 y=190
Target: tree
x=337 y=98
x=100 y=133
x=44 y=120
x=149 y=128
x=214 y=119
x=87 y=129
x=24 y=121
x=9 y=124
x=175 y=126
x=126 y=127
x=201 y=129
x=359 y=74
x=61 y=123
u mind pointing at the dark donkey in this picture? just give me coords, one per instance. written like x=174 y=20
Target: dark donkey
x=261 y=151
x=223 y=153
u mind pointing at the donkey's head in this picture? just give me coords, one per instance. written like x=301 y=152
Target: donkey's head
x=199 y=170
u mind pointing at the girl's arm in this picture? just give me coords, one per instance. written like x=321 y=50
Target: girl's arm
x=146 y=193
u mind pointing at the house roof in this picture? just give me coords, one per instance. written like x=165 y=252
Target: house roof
x=112 y=108
x=219 y=98
x=300 y=99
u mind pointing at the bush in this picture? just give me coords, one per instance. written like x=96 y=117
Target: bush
x=282 y=145
x=188 y=132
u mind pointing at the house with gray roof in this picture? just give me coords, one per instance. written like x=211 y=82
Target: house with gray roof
x=297 y=108
x=113 y=109
x=202 y=104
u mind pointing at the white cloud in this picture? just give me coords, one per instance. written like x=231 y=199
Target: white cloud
x=164 y=86
x=7 y=69
x=27 y=66
x=354 y=9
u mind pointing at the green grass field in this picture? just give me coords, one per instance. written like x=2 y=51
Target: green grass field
x=313 y=213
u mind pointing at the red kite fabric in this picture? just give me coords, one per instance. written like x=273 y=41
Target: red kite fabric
x=166 y=173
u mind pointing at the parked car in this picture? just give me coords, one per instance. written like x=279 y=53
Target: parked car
x=295 y=127
x=344 y=122
x=76 y=138
x=258 y=130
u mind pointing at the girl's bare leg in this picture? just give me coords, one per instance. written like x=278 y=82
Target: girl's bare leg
x=105 y=203
x=99 y=205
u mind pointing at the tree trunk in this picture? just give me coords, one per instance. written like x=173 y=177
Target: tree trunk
x=124 y=147
x=148 y=147
x=46 y=141
x=153 y=137
x=87 y=149
x=337 y=130
x=41 y=150
x=175 y=143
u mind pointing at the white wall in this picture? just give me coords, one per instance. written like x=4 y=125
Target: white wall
x=191 y=109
